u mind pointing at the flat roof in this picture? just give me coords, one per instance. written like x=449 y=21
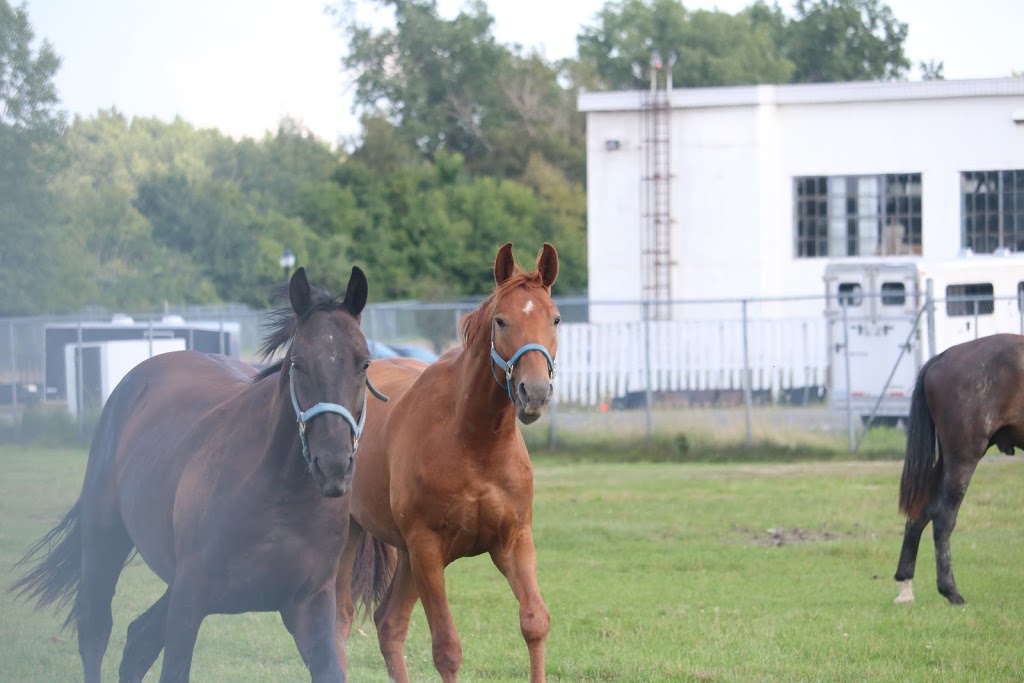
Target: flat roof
x=806 y=93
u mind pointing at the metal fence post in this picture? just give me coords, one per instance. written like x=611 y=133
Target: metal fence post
x=747 y=379
x=849 y=392
x=553 y=431
x=649 y=397
x=14 y=380
x=929 y=301
x=79 y=377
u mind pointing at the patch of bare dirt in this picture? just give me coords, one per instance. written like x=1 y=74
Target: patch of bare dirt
x=777 y=537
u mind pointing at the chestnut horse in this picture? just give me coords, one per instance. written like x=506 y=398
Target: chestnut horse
x=230 y=483
x=443 y=471
x=968 y=398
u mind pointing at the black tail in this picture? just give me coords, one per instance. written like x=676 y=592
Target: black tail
x=56 y=575
x=922 y=464
x=372 y=572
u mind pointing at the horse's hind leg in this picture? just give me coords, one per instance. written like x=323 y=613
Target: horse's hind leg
x=944 y=512
x=345 y=609
x=908 y=556
x=105 y=547
x=392 y=619
x=145 y=640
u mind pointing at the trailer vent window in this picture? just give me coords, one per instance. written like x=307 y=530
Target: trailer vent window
x=850 y=294
x=894 y=294
x=973 y=299
x=1020 y=297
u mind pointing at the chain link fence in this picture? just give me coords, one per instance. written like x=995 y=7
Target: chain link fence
x=797 y=372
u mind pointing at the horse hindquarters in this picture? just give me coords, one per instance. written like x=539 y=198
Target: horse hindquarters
x=82 y=568
x=932 y=488
x=92 y=546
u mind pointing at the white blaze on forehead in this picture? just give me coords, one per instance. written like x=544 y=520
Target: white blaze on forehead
x=528 y=307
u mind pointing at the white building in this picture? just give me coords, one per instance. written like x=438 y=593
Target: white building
x=766 y=185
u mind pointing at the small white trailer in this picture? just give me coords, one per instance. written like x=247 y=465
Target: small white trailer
x=886 y=317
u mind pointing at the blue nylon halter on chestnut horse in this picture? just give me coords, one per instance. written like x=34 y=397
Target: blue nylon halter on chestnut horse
x=509 y=365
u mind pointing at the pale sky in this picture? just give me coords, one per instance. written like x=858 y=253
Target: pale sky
x=242 y=65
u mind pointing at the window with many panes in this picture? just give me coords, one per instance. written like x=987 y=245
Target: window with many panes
x=992 y=210
x=868 y=215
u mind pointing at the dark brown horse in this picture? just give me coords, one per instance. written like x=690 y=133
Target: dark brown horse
x=229 y=483
x=443 y=471
x=967 y=399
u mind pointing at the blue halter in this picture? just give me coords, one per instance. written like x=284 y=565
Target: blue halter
x=509 y=365
x=305 y=416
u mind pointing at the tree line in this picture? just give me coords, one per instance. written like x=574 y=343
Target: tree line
x=466 y=143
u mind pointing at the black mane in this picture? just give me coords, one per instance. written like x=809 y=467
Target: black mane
x=281 y=322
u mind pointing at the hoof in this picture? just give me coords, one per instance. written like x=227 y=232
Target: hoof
x=955 y=599
x=906 y=593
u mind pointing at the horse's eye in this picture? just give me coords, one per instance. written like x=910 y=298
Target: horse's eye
x=499 y=322
x=296 y=366
x=366 y=365
x=558 y=319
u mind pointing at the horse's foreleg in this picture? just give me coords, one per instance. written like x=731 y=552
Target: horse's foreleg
x=145 y=640
x=104 y=551
x=951 y=494
x=186 y=610
x=345 y=608
x=518 y=562
x=427 y=563
x=392 y=619
x=908 y=556
x=312 y=623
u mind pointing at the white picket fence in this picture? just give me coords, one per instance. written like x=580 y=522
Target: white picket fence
x=598 y=362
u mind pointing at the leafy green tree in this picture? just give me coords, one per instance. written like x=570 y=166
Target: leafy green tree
x=107 y=156
x=845 y=40
x=449 y=86
x=31 y=129
x=826 y=40
x=433 y=78
x=710 y=48
x=234 y=243
x=931 y=70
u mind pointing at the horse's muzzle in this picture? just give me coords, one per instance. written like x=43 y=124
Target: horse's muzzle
x=531 y=400
x=334 y=477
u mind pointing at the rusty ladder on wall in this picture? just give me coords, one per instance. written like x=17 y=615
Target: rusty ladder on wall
x=656 y=193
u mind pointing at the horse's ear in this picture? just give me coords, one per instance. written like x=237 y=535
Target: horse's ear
x=504 y=264
x=355 y=295
x=547 y=264
x=298 y=291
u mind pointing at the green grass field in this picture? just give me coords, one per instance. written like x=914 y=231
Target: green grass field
x=652 y=572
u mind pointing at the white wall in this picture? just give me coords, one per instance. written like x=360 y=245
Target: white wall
x=735 y=152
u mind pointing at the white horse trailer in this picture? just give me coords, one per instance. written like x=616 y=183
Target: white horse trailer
x=886 y=317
